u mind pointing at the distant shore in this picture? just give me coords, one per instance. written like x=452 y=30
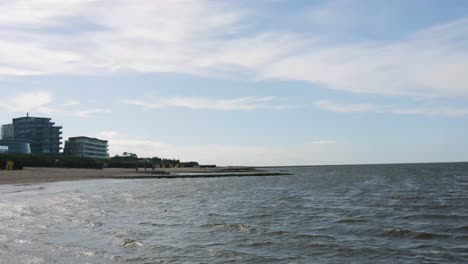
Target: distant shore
x=43 y=175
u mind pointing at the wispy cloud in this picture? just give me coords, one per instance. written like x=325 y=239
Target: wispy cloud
x=322 y=142
x=345 y=107
x=88 y=112
x=29 y=101
x=109 y=134
x=428 y=63
x=212 y=38
x=339 y=107
x=44 y=102
x=71 y=102
x=198 y=103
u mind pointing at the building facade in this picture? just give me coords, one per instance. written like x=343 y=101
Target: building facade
x=86 y=147
x=3 y=149
x=7 y=132
x=15 y=146
x=43 y=135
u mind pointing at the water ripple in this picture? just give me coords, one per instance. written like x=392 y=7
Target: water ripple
x=343 y=214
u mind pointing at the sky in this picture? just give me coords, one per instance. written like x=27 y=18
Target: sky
x=245 y=82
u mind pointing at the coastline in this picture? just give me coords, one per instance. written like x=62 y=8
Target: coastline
x=44 y=175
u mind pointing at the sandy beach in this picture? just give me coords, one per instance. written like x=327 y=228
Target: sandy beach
x=40 y=175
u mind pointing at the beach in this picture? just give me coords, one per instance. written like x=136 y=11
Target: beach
x=42 y=175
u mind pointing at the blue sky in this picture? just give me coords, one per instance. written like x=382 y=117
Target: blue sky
x=245 y=82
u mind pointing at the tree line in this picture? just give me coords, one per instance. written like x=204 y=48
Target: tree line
x=130 y=160
x=126 y=160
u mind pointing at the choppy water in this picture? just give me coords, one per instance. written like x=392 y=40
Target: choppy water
x=348 y=214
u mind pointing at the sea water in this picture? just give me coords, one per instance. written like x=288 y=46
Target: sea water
x=331 y=214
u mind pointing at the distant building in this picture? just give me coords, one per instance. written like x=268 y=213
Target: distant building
x=3 y=149
x=15 y=146
x=86 y=147
x=43 y=135
x=7 y=132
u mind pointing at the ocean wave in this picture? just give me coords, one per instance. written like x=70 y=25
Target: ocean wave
x=131 y=243
x=16 y=191
x=89 y=253
x=258 y=216
x=260 y=244
x=225 y=253
x=405 y=233
x=460 y=229
x=351 y=221
x=436 y=216
x=300 y=235
x=232 y=227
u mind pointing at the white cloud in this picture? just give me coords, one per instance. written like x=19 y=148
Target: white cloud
x=343 y=107
x=71 y=102
x=29 y=102
x=88 y=112
x=39 y=12
x=322 y=142
x=428 y=63
x=109 y=134
x=214 y=38
x=43 y=102
x=241 y=103
x=339 y=107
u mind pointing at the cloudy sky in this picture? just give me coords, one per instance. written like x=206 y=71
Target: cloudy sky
x=245 y=82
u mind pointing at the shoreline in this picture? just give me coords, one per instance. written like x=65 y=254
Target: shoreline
x=45 y=175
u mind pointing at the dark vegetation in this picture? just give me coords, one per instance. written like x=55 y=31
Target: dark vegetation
x=49 y=161
x=130 y=160
x=127 y=160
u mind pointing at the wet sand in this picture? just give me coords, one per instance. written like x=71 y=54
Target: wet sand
x=41 y=175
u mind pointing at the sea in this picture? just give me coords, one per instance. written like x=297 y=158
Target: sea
x=413 y=213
